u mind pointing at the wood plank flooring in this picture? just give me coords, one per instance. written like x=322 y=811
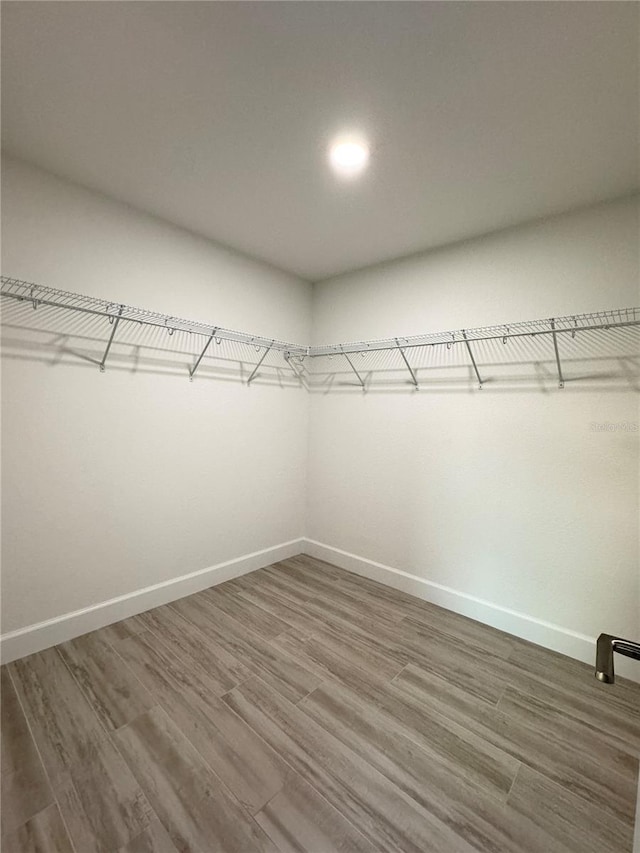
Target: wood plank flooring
x=303 y=708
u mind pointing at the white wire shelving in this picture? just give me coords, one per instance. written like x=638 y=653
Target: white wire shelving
x=116 y=313
x=467 y=341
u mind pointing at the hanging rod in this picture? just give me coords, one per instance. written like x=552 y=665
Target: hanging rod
x=115 y=312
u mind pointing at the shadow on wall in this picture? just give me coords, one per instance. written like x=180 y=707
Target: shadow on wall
x=598 y=359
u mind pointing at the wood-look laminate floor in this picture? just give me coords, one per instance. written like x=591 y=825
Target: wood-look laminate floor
x=303 y=708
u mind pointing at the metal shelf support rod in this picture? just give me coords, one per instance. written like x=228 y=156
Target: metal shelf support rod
x=555 y=346
x=201 y=356
x=360 y=379
x=111 y=337
x=256 y=368
x=409 y=368
x=287 y=358
x=473 y=361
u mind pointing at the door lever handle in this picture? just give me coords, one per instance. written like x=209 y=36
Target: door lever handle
x=608 y=644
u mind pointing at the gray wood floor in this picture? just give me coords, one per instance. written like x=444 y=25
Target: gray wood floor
x=302 y=708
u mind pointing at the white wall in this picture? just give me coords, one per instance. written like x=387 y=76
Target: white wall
x=506 y=497
x=114 y=482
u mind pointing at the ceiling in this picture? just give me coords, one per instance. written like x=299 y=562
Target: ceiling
x=216 y=116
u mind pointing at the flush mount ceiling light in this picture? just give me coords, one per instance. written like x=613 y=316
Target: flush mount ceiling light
x=348 y=157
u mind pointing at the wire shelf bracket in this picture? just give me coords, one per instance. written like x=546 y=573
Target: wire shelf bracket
x=201 y=356
x=406 y=361
x=557 y=352
x=258 y=365
x=288 y=357
x=353 y=367
x=473 y=361
x=115 y=322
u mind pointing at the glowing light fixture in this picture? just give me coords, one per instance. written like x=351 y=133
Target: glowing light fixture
x=349 y=157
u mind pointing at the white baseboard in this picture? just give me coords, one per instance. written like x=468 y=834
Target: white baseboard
x=42 y=635
x=563 y=640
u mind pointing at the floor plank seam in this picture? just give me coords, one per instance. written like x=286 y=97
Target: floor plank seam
x=181 y=655
x=161 y=705
x=320 y=796
x=513 y=782
x=398 y=674
x=125 y=664
x=117 y=746
x=391 y=679
x=277 y=793
x=439 y=715
x=43 y=765
x=440 y=760
x=496 y=704
x=336 y=778
x=310 y=693
x=83 y=692
x=240 y=627
x=208 y=766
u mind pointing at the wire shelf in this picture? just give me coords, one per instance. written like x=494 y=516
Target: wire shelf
x=472 y=347
x=557 y=325
x=38 y=294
